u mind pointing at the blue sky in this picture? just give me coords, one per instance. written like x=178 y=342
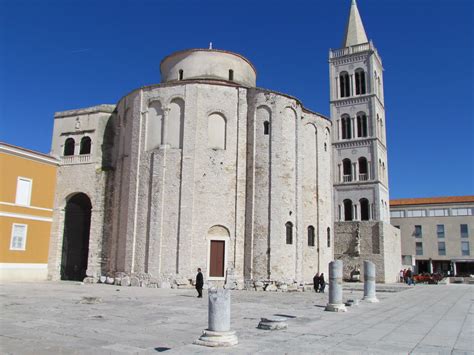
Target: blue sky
x=60 y=55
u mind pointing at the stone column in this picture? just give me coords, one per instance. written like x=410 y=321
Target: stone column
x=218 y=333
x=369 y=282
x=335 y=287
x=164 y=128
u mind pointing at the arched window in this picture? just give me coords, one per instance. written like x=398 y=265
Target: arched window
x=181 y=73
x=266 y=127
x=360 y=81
x=289 y=232
x=364 y=209
x=85 y=146
x=329 y=237
x=216 y=129
x=346 y=127
x=362 y=124
x=231 y=75
x=347 y=170
x=348 y=210
x=311 y=236
x=363 y=169
x=344 y=84
x=325 y=147
x=69 y=146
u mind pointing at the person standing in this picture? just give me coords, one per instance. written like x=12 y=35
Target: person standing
x=199 y=282
x=322 y=283
x=316 y=279
x=409 y=276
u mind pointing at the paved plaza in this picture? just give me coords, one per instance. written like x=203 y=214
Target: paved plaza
x=71 y=318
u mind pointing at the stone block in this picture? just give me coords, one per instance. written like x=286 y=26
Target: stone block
x=271 y=288
x=109 y=280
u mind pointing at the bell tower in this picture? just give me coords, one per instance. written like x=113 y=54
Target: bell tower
x=360 y=166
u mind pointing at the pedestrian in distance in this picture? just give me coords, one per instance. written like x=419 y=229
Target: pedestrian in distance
x=409 y=277
x=199 y=282
x=316 y=279
x=322 y=283
x=401 y=275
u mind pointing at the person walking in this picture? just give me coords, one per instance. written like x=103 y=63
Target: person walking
x=409 y=276
x=199 y=282
x=316 y=279
x=322 y=283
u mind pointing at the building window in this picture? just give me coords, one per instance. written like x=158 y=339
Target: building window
x=216 y=131
x=363 y=169
x=231 y=75
x=346 y=127
x=464 y=231
x=85 y=146
x=397 y=214
x=348 y=210
x=329 y=237
x=364 y=209
x=69 y=146
x=360 y=81
x=462 y=211
x=441 y=248
x=311 y=237
x=23 y=191
x=419 y=248
x=361 y=125
x=18 y=240
x=344 y=84
x=346 y=170
x=418 y=231
x=416 y=213
x=465 y=248
x=266 y=127
x=181 y=73
x=440 y=230
x=439 y=212
x=398 y=227
x=289 y=232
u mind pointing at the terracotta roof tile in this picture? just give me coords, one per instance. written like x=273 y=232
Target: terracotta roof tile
x=431 y=200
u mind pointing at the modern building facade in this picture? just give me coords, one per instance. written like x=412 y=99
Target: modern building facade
x=27 y=187
x=360 y=167
x=436 y=233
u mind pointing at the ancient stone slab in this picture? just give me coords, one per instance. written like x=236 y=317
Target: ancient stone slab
x=273 y=323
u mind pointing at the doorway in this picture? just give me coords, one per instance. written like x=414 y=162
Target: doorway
x=217 y=256
x=76 y=238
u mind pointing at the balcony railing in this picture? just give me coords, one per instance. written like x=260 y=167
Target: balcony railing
x=363 y=177
x=350 y=50
x=347 y=178
x=76 y=159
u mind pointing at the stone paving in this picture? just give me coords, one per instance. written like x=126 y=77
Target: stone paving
x=70 y=318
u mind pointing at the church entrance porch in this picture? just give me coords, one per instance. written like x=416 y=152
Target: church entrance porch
x=76 y=238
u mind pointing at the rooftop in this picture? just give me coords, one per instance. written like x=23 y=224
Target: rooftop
x=431 y=200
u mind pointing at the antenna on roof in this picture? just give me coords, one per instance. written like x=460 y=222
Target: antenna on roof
x=210 y=45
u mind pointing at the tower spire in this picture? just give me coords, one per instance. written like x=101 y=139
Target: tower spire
x=355 y=32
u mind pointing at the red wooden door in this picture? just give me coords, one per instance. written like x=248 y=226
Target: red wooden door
x=216 y=268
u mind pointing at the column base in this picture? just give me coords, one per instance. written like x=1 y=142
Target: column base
x=217 y=339
x=273 y=323
x=336 y=307
x=370 y=299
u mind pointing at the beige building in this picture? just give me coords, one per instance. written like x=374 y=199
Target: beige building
x=436 y=233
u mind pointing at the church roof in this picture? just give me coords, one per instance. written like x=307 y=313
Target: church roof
x=355 y=32
x=431 y=200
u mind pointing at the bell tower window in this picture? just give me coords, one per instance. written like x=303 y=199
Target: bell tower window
x=360 y=81
x=344 y=84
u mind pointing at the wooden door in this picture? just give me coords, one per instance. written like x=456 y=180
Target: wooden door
x=216 y=268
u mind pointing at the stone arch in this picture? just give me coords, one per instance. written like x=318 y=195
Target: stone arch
x=85 y=146
x=69 y=146
x=362 y=124
x=360 y=84
x=364 y=209
x=216 y=131
x=154 y=125
x=75 y=246
x=348 y=213
x=344 y=84
x=176 y=123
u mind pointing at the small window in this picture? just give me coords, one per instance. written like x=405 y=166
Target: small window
x=419 y=248
x=440 y=230
x=266 y=127
x=398 y=227
x=418 y=231
x=464 y=231
x=69 y=146
x=439 y=212
x=231 y=75
x=289 y=232
x=465 y=248
x=325 y=147
x=23 y=191
x=329 y=237
x=18 y=240
x=85 y=146
x=397 y=214
x=462 y=211
x=416 y=213
x=441 y=248
x=181 y=73
x=311 y=236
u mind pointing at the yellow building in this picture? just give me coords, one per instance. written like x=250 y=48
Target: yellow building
x=27 y=186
